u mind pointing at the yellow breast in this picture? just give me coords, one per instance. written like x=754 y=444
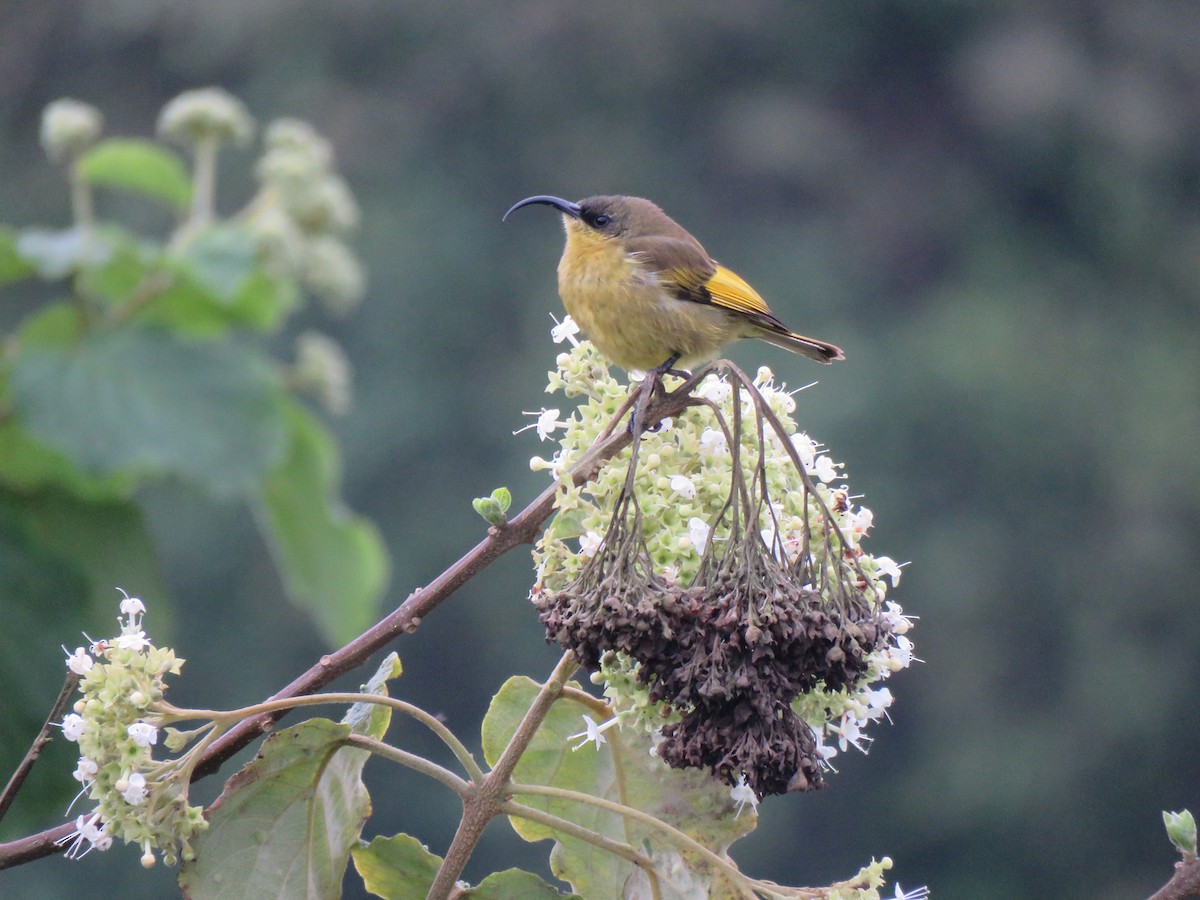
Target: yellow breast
x=624 y=310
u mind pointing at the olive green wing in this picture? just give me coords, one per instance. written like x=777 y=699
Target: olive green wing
x=687 y=272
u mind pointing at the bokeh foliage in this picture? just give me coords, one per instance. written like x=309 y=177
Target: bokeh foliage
x=991 y=207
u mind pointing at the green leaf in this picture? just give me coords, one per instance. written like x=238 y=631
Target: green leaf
x=28 y=465
x=396 y=868
x=493 y=508
x=333 y=562
x=124 y=269
x=13 y=266
x=514 y=884
x=140 y=166
x=284 y=825
x=622 y=771
x=138 y=400
x=186 y=304
x=222 y=258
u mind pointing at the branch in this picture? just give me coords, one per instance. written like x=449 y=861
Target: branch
x=486 y=802
x=1184 y=883
x=35 y=749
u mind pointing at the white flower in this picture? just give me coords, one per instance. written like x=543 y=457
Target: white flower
x=135 y=640
x=592 y=732
x=590 y=543
x=893 y=614
x=825 y=752
x=824 y=468
x=564 y=330
x=85 y=771
x=134 y=790
x=878 y=701
x=683 y=486
x=743 y=795
x=547 y=421
x=90 y=829
x=143 y=733
x=849 y=732
x=890 y=568
x=806 y=449
x=714 y=389
x=915 y=894
x=698 y=532
x=131 y=606
x=72 y=726
x=713 y=443
x=899 y=655
x=79 y=662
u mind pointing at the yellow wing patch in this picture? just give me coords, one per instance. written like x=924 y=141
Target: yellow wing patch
x=730 y=290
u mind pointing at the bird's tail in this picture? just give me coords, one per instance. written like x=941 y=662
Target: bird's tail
x=821 y=351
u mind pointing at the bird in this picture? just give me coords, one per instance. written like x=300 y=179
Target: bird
x=648 y=295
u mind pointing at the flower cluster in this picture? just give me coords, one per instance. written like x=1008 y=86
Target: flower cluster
x=138 y=799
x=303 y=210
x=722 y=593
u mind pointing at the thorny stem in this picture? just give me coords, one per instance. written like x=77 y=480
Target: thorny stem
x=484 y=803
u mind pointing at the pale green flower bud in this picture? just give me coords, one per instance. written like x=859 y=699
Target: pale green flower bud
x=1181 y=829
x=206 y=113
x=69 y=127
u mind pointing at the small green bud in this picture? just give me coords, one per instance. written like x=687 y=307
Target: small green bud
x=1181 y=829
x=206 y=113
x=494 y=509
x=69 y=127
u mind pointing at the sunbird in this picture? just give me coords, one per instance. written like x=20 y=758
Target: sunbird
x=649 y=296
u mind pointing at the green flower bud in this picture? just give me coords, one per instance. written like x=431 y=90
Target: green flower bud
x=494 y=508
x=1181 y=829
x=69 y=127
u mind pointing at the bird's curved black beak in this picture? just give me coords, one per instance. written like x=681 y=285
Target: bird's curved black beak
x=566 y=207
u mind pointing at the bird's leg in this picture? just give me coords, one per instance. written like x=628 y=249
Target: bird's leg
x=652 y=385
x=668 y=368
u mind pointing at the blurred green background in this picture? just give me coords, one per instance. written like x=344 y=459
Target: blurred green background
x=991 y=206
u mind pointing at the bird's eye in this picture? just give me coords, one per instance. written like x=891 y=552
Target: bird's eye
x=601 y=220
